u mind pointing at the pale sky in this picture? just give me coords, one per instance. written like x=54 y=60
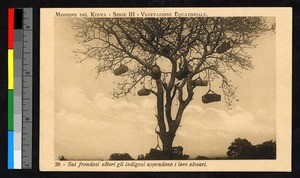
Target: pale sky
x=90 y=124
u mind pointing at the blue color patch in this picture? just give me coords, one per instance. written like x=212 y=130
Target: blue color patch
x=10 y=158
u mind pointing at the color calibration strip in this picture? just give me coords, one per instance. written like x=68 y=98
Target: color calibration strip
x=27 y=73
x=10 y=113
x=19 y=88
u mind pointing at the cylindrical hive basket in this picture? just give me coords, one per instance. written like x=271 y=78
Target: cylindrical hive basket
x=183 y=72
x=204 y=83
x=197 y=82
x=223 y=48
x=143 y=92
x=121 y=70
x=210 y=96
x=155 y=72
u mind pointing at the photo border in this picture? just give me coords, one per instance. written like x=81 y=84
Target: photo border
x=283 y=91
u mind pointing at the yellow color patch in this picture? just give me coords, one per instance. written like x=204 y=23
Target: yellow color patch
x=10 y=69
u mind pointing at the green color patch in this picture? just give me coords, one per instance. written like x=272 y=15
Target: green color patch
x=10 y=113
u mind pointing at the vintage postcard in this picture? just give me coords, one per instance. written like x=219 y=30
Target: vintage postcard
x=165 y=89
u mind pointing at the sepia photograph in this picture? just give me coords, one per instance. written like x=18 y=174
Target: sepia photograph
x=166 y=89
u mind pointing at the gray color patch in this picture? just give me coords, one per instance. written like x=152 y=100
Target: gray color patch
x=27 y=89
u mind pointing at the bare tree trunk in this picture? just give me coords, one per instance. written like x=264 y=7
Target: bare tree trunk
x=160 y=106
x=167 y=138
x=167 y=141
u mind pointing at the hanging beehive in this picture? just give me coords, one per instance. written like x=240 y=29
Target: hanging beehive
x=143 y=92
x=204 y=83
x=121 y=70
x=223 y=48
x=199 y=82
x=210 y=96
x=155 y=72
x=183 y=72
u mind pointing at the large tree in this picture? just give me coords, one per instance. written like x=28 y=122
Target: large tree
x=169 y=58
x=241 y=149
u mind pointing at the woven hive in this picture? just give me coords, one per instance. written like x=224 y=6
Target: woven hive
x=197 y=82
x=223 y=48
x=183 y=72
x=204 y=83
x=211 y=97
x=120 y=70
x=143 y=92
x=155 y=72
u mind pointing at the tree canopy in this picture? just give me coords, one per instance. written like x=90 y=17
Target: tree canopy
x=176 y=42
x=120 y=156
x=170 y=57
x=243 y=149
